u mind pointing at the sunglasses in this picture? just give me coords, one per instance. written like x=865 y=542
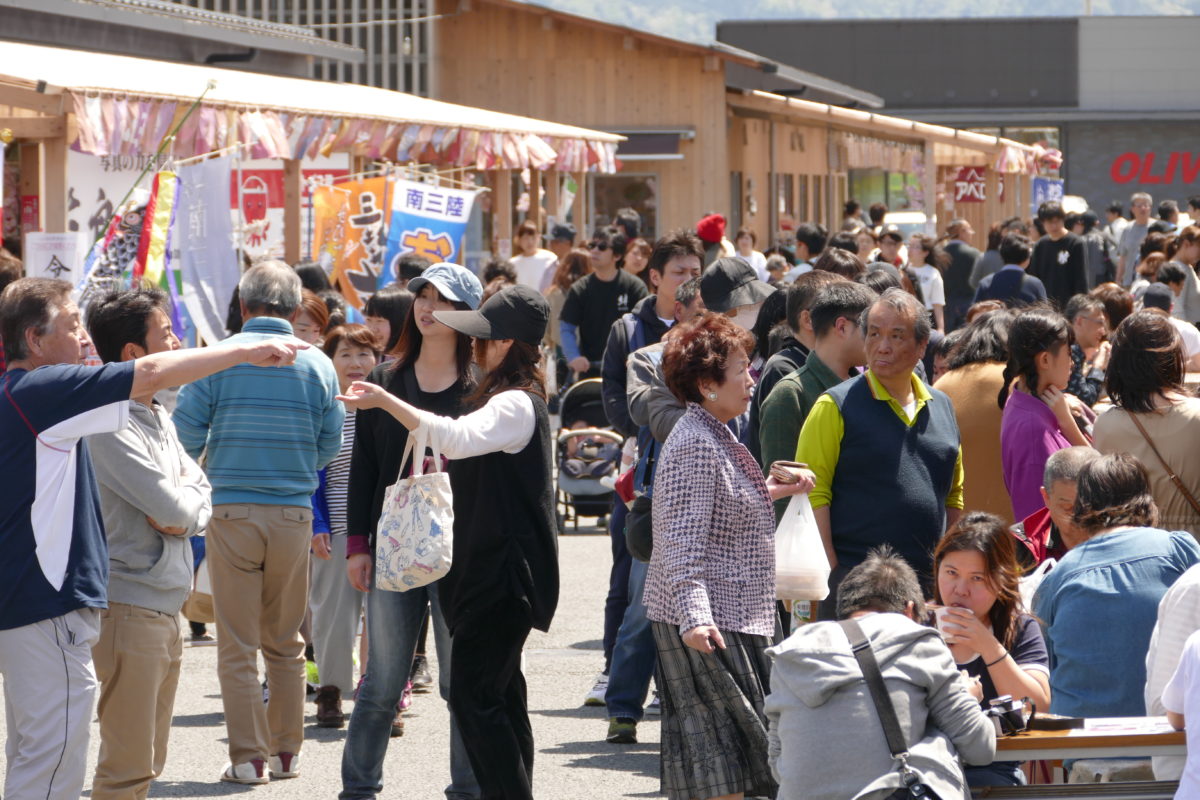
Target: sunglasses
x=601 y=246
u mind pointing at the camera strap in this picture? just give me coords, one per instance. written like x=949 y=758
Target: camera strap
x=861 y=647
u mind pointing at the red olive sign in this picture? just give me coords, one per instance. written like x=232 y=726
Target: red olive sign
x=1151 y=168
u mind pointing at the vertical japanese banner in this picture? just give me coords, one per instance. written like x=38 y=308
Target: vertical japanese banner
x=203 y=244
x=357 y=270
x=331 y=212
x=428 y=221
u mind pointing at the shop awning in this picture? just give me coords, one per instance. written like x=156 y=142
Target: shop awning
x=126 y=105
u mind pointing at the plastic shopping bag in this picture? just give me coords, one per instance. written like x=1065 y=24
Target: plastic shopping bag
x=414 y=540
x=801 y=565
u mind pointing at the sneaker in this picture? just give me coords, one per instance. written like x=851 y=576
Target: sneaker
x=397 y=724
x=422 y=680
x=251 y=772
x=655 y=706
x=329 y=708
x=405 y=698
x=596 y=696
x=202 y=640
x=285 y=765
x=622 y=730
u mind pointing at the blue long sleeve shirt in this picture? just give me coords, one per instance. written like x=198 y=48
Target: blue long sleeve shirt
x=266 y=430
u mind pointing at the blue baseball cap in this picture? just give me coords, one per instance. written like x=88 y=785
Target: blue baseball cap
x=452 y=282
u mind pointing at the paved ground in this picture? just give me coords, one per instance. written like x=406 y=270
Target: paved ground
x=573 y=760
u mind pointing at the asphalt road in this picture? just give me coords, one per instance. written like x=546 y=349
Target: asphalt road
x=573 y=760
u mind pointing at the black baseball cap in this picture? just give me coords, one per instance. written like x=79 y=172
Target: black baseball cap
x=515 y=312
x=730 y=282
x=564 y=232
x=1158 y=295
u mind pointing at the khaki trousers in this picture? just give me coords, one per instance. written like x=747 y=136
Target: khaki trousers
x=137 y=661
x=258 y=559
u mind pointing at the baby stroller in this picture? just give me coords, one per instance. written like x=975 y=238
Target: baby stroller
x=588 y=454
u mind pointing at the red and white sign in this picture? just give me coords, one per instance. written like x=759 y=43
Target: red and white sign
x=970 y=185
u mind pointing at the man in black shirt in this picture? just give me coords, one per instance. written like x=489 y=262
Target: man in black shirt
x=595 y=302
x=1058 y=257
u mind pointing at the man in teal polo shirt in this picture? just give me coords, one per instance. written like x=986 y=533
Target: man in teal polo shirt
x=837 y=351
x=885 y=450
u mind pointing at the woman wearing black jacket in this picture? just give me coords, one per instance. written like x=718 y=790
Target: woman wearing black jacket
x=432 y=371
x=504 y=577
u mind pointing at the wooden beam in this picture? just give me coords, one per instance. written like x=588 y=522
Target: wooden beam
x=991 y=200
x=54 y=186
x=583 y=219
x=35 y=127
x=535 y=201
x=54 y=104
x=293 y=192
x=929 y=190
x=30 y=183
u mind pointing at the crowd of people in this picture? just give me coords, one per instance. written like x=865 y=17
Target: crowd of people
x=994 y=445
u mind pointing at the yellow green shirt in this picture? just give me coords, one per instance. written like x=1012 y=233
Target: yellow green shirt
x=821 y=440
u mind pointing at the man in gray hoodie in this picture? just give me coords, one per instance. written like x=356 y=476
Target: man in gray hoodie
x=826 y=741
x=153 y=496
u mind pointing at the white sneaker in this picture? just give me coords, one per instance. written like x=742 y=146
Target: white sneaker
x=655 y=706
x=251 y=772
x=596 y=696
x=285 y=765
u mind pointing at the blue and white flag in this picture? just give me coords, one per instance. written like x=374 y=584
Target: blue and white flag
x=427 y=221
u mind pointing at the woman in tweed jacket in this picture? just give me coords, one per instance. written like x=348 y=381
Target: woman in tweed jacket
x=710 y=588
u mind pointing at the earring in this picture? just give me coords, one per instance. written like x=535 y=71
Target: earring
x=712 y=395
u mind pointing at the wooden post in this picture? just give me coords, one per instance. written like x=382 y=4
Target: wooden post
x=583 y=214
x=929 y=190
x=30 y=184
x=503 y=209
x=54 y=185
x=293 y=192
x=552 y=181
x=991 y=201
x=535 y=200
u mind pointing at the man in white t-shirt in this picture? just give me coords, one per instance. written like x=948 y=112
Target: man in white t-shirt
x=1181 y=701
x=1178 y=618
x=531 y=261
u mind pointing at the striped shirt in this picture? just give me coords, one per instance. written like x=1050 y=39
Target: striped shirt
x=337 y=478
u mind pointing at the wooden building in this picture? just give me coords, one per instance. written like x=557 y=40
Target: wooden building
x=702 y=135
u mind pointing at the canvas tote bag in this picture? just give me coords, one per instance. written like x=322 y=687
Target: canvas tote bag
x=414 y=539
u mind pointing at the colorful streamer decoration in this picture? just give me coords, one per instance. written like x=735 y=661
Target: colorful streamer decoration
x=151 y=261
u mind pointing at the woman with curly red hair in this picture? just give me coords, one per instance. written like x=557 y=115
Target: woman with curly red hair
x=710 y=586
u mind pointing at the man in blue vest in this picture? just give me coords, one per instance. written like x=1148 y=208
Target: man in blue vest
x=885 y=450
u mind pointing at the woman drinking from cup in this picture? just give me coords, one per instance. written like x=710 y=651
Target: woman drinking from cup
x=990 y=635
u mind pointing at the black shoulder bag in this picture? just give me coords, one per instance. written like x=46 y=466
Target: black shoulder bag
x=913 y=787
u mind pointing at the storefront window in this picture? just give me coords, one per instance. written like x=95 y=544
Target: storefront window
x=639 y=192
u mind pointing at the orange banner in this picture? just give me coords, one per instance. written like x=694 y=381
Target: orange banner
x=364 y=239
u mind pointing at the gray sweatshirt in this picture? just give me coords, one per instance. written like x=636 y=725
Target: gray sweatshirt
x=825 y=739
x=143 y=471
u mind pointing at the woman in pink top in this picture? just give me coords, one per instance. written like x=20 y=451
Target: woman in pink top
x=1037 y=419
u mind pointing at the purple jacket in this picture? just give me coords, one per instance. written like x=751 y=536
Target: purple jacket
x=1029 y=435
x=714 y=532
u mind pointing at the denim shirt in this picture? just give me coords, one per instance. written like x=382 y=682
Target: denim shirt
x=1098 y=607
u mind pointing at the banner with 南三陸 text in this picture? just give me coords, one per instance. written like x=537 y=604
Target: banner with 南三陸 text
x=428 y=221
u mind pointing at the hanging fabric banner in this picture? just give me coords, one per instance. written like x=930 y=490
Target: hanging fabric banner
x=428 y=221
x=357 y=270
x=331 y=212
x=203 y=244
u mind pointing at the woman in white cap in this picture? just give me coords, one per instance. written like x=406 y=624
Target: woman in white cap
x=504 y=577
x=432 y=371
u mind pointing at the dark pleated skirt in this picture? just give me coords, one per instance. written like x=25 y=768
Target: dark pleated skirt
x=714 y=731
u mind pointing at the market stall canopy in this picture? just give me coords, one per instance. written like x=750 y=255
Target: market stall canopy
x=125 y=105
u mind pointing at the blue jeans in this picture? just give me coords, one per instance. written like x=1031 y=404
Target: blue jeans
x=634 y=654
x=393 y=624
x=998 y=773
x=618 y=580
